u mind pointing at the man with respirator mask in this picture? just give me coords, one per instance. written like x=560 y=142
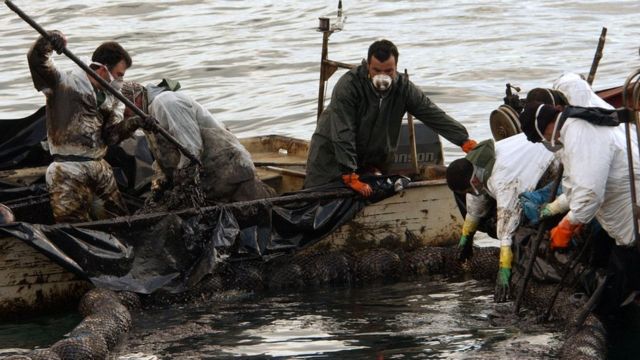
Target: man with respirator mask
x=82 y=121
x=596 y=182
x=358 y=132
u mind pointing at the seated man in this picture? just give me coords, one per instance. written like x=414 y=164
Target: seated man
x=499 y=172
x=358 y=132
x=228 y=173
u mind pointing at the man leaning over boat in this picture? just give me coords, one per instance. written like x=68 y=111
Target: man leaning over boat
x=228 y=172
x=82 y=120
x=597 y=185
x=358 y=132
x=499 y=172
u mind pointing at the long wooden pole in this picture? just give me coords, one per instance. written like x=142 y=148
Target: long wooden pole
x=597 y=56
x=102 y=82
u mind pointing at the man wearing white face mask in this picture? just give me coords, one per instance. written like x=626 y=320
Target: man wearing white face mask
x=358 y=132
x=82 y=120
x=594 y=155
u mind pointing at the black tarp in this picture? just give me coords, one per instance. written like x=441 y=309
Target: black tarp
x=173 y=251
x=20 y=141
x=21 y=147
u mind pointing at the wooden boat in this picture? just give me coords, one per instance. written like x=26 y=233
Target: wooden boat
x=424 y=213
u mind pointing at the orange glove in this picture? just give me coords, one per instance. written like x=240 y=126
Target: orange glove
x=562 y=233
x=353 y=181
x=468 y=145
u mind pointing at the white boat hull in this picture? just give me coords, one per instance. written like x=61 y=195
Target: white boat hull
x=31 y=283
x=424 y=214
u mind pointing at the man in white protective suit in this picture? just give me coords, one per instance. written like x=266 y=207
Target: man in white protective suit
x=596 y=183
x=578 y=93
x=499 y=171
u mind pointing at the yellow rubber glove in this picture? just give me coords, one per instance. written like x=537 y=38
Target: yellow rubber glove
x=506 y=257
x=466 y=239
x=504 y=274
x=468 y=230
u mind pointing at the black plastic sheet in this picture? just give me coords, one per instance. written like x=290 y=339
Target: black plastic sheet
x=173 y=251
x=20 y=141
x=21 y=147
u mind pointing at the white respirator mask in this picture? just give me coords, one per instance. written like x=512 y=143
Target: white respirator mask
x=115 y=83
x=554 y=144
x=382 y=82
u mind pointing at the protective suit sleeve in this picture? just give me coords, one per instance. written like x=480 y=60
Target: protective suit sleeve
x=43 y=70
x=509 y=210
x=420 y=106
x=343 y=125
x=477 y=206
x=587 y=166
x=115 y=128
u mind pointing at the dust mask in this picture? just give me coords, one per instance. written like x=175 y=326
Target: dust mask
x=115 y=83
x=552 y=145
x=382 y=82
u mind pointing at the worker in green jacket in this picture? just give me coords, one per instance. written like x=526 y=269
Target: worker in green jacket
x=358 y=132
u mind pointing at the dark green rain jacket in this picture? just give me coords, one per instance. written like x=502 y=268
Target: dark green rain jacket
x=359 y=128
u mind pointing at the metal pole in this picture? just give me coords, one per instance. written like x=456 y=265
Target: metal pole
x=102 y=82
x=412 y=138
x=632 y=107
x=324 y=27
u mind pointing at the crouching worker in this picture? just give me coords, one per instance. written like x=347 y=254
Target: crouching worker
x=82 y=120
x=228 y=172
x=597 y=185
x=499 y=172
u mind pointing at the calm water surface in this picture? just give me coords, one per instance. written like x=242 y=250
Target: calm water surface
x=254 y=64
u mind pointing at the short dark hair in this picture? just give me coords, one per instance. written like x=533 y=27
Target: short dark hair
x=382 y=50
x=459 y=174
x=110 y=54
